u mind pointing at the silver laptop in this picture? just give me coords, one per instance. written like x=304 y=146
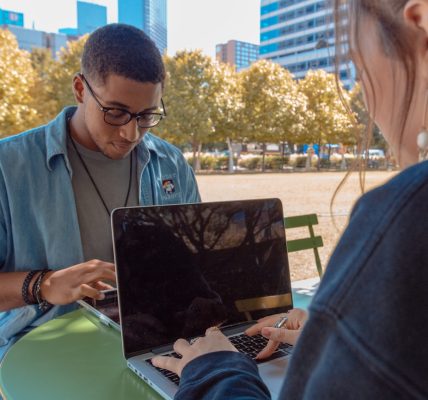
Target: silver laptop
x=184 y=268
x=106 y=310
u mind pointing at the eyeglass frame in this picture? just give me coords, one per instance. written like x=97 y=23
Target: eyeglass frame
x=137 y=116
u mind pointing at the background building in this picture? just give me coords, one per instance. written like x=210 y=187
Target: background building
x=90 y=17
x=148 y=15
x=28 y=39
x=299 y=35
x=236 y=53
x=11 y=18
x=69 y=31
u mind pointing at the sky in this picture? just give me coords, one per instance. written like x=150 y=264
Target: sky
x=192 y=24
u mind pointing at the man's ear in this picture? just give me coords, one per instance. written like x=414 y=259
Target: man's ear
x=78 y=88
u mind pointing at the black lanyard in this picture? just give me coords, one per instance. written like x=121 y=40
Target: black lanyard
x=92 y=179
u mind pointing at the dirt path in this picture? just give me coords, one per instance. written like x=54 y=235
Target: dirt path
x=300 y=193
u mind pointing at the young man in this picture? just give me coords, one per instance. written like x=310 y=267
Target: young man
x=60 y=182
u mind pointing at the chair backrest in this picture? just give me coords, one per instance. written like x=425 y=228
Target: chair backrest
x=312 y=242
x=262 y=303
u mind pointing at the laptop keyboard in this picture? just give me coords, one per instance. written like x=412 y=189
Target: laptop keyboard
x=170 y=375
x=249 y=345
x=253 y=345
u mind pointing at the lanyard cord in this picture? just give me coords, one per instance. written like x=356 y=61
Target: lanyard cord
x=92 y=179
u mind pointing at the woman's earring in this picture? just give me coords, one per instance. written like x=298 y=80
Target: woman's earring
x=422 y=139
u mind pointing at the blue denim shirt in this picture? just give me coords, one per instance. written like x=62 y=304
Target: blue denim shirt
x=38 y=219
x=366 y=336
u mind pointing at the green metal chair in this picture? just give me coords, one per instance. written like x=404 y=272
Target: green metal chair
x=312 y=242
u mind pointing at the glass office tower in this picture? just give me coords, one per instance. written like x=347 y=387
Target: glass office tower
x=11 y=18
x=90 y=17
x=237 y=53
x=148 y=15
x=299 y=35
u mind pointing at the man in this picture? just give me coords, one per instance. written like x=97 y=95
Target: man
x=60 y=182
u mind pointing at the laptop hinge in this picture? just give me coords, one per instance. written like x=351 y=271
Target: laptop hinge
x=162 y=349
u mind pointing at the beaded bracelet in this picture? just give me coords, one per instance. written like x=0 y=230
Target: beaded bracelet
x=25 y=286
x=44 y=305
x=33 y=290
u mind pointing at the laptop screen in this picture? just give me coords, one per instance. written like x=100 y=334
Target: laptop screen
x=184 y=268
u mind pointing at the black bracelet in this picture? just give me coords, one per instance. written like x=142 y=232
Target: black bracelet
x=33 y=289
x=25 y=286
x=44 y=305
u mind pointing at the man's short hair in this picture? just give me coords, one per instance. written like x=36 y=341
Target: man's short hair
x=122 y=50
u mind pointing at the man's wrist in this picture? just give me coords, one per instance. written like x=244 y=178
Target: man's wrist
x=45 y=286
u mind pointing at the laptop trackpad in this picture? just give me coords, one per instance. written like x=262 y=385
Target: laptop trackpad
x=273 y=374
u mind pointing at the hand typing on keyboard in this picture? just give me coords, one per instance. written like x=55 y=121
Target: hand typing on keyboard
x=289 y=333
x=213 y=341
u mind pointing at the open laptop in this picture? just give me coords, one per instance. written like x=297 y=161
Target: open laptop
x=184 y=268
x=106 y=310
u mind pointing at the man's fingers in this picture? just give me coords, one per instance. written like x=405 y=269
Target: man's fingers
x=281 y=335
x=89 y=291
x=99 y=274
x=169 y=363
x=102 y=286
x=268 y=350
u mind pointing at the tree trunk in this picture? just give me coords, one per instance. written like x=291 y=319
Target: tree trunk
x=263 y=156
x=198 y=157
x=196 y=149
x=283 y=156
x=319 y=156
x=230 y=162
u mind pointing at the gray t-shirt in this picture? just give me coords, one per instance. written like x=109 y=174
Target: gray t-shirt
x=112 y=179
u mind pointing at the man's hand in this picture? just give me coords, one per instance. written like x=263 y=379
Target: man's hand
x=213 y=341
x=73 y=283
x=287 y=334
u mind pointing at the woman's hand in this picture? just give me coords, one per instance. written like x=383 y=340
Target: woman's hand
x=213 y=341
x=289 y=333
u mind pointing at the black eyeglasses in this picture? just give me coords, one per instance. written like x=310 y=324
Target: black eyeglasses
x=119 y=116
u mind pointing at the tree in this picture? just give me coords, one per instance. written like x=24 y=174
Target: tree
x=273 y=107
x=227 y=107
x=363 y=119
x=42 y=62
x=58 y=79
x=189 y=98
x=326 y=119
x=17 y=79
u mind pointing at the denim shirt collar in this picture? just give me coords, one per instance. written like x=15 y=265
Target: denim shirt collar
x=56 y=140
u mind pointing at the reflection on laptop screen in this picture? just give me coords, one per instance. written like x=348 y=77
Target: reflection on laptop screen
x=184 y=268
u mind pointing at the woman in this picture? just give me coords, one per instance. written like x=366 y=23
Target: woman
x=366 y=336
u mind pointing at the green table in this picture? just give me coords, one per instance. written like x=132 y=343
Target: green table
x=71 y=357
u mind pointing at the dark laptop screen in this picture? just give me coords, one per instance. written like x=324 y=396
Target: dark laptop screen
x=184 y=268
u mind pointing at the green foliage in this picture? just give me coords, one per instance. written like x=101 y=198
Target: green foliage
x=273 y=109
x=59 y=77
x=211 y=163
x=206 y=102
x=188 y=96
x=17 y=81
x=326 y=119
x=251 y=163
x=275 y=162
x=42 y=63
x=363 y=119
